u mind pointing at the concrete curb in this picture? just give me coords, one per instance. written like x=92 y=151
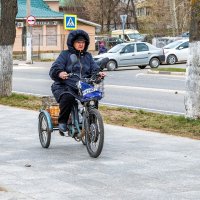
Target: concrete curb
x=149 y=71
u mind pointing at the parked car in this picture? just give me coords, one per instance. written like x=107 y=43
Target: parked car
x=176 y=51
x=138 y=54
x=109 y=42
x=112 y=41
x=130 y=35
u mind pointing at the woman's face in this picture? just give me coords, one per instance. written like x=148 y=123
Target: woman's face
x=79 y=45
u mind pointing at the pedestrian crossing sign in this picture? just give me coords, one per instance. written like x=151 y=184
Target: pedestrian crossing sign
x=70 y=22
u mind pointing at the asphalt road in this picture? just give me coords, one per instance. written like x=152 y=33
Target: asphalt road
x=129 y=87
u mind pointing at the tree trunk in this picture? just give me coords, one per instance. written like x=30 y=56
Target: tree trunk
x=174 y=17
x=192 y=96
x=7 y=38
x=6 y=63
x=102 y=14
x=109 y=15
x=134 y=15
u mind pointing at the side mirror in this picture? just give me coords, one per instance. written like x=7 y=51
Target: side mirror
x=102 y=63
x=73 y=59
x=180 y=48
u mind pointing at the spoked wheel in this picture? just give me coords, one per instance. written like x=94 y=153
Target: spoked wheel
x=44 y=132
x=94 y=133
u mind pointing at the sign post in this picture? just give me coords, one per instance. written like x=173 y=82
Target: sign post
x=30 y=21
x=123 y=19
x=70 y=22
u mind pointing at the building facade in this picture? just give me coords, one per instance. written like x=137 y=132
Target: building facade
x=48 y=33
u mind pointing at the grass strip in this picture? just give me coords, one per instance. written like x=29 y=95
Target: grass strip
x=170 y=69
x=168 y=124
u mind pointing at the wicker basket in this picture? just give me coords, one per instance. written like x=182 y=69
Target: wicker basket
x=52 y=107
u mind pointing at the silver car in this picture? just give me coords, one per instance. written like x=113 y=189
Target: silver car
x=138 y=54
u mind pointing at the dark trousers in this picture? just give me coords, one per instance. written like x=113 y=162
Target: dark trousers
x=65 y=105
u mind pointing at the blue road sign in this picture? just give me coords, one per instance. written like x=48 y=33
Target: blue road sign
x=70 y=22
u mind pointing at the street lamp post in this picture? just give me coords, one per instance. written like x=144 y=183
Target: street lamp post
x=28 y=34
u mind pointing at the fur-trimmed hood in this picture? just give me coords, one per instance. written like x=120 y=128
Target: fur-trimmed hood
x=72 y=37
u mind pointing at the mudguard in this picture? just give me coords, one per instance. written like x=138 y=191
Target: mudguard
x=49 y=121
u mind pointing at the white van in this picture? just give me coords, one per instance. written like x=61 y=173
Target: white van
x=130 y=35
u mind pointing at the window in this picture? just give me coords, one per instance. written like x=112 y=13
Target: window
x=142 y=47
x=184 y=45
x=129 y=48
x=37 y=36
x=51 y=36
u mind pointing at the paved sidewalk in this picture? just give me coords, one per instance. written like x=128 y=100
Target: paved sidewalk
x=134 y=164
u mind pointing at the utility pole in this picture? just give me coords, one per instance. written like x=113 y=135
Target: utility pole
x=28 y=34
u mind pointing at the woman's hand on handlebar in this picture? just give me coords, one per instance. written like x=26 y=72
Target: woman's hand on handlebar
x=102 y=74
x=63 y=75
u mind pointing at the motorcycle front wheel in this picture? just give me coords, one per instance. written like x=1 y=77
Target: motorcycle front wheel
x=94 y=136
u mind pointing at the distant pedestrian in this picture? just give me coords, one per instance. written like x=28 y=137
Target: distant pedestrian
x=102 y=48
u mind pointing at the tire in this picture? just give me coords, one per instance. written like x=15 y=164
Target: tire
x=94 y=133
x=44 y=131
x=83 y=140
x=171 y=59
x=142 y=66
x=111 y=65
x=154 y=62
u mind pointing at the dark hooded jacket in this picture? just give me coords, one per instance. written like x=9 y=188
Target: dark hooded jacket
x=63 y=63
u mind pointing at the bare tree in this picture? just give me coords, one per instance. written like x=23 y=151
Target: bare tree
x=131 y=9
x=107 y=12
x=174 y=17
x=163 y=17
x=111 y=7
x=7 y=37
x=192 y=96
x=96 y=11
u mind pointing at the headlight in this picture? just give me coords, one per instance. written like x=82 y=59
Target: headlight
x=92 y=103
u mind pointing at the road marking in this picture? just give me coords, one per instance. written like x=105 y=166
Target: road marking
x=143 y=108
x=144 y=88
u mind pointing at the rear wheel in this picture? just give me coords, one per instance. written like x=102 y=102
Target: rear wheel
x=154 y=63
x=44 y=131
x=171 y=59
x=83 y=140
x=94 y=133
x=142 y=66
x=111 y=65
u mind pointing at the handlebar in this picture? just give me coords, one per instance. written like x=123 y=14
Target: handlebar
x=96 y=78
